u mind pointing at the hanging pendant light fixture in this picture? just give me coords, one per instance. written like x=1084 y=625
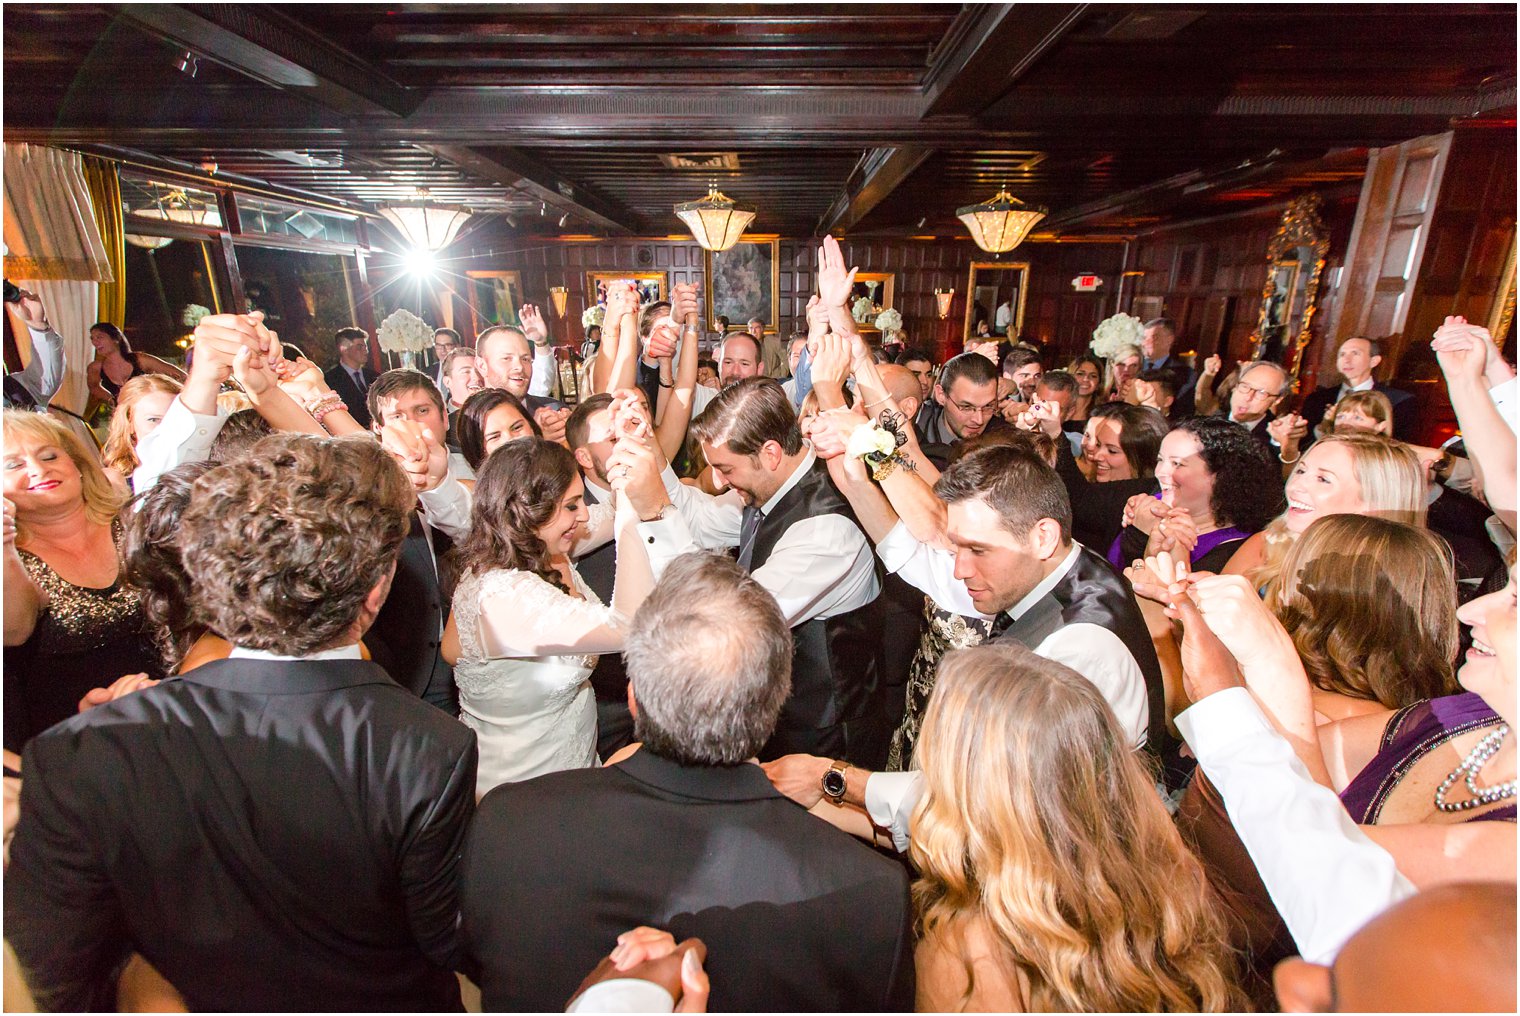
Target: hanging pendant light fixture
x=717 y=221
x=424 y=225
x=1000 y=224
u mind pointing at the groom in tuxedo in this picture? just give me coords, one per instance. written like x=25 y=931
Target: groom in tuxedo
x=1009 y=522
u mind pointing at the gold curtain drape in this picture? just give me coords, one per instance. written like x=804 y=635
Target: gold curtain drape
x=104 y=182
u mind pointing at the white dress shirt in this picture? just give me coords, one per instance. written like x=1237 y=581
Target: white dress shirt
x=1504 y=396
x=1365 y=386
x=348 y=652
x=44 y=375
x=544 y=371
x=1092 y=651
x=624 y=994
x=1326 y=877
x=820 y=567
x=182 y=437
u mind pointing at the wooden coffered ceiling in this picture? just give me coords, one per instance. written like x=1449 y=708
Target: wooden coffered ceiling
x=877 y=118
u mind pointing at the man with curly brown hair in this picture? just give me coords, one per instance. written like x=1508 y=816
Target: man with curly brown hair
x=278 y=830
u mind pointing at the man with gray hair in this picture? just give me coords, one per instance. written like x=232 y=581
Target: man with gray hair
x=686 y=834
x=1258 y=389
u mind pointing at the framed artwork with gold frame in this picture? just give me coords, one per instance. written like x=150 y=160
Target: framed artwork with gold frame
x=494 y=298
x=651 y=286
x=744 y=282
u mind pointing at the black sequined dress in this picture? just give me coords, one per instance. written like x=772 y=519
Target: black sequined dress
x=85 y=638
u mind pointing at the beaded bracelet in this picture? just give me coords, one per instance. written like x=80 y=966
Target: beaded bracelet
x=322 y=405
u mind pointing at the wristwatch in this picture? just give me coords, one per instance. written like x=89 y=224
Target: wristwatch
x=834 y=783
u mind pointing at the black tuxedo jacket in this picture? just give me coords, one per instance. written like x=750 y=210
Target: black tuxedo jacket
x=270 y=835
x=797 y=916
x=405 y=639
x=339 y=381
x=1405 y=410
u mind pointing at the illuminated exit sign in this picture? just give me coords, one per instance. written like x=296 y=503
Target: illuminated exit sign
x=1086 y=283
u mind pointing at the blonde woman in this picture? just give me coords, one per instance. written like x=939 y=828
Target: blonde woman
x=70 y=620
x=1123 y=367
x=1344 y=474
x=1052 y=878
x=1359 y=413
x=140 y=408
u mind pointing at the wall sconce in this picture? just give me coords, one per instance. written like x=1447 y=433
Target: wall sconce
x=558 y=295
x=942 y=298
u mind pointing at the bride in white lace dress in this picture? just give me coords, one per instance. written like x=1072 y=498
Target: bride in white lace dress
x=525 y=630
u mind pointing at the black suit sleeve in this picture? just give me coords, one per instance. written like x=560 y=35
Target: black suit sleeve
x=1406 y=416
x=430 y=865
x=649 y=380
x=61 y=916
x=903 y=984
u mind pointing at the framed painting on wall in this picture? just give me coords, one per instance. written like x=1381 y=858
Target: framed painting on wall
x=495 y=298
x=651 y=286
x=742 y=283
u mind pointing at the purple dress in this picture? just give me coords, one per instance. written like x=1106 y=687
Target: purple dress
x=1411 y=734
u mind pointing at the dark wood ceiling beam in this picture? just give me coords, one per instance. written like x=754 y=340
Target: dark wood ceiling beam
x=521 y=172
x=268 y=46
x=989 y=48
x=876 y=175
x=674 y=22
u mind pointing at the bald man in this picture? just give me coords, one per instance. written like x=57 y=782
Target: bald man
x=1448 y=949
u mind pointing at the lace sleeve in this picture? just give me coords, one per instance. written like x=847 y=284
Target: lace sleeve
x=523 y=616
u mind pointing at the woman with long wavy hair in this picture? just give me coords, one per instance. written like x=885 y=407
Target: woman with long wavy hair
x=526 y=630
x=140 y=408
x=1052 y=878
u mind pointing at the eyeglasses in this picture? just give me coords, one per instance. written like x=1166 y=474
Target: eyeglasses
x=1251 y=391
x=971 y=410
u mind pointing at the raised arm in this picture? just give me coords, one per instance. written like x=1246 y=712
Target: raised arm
x=545 y=368
x=676 y=401
x=152 y=363
x=616 y=362
x=1464 y=353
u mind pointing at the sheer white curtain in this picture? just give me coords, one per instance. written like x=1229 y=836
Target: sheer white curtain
x=53 y=247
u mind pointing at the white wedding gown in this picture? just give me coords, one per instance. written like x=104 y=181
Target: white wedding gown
x=522 y=687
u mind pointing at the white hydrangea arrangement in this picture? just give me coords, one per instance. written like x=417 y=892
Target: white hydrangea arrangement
x=889 y=321
x=404 y=332
x=192 y=314
x=862 y=309
x=594 y=316
x=1120 y=330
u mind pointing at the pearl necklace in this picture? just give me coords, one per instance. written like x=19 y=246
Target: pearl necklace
x=1471 y=765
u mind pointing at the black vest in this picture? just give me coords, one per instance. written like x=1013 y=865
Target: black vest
x=834 y=673
x=1092 y=593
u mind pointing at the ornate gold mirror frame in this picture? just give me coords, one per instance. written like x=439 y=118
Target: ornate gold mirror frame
x=1300 y=227
x=1017 y=324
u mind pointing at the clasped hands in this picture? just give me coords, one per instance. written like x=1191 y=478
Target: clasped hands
x=635 y=467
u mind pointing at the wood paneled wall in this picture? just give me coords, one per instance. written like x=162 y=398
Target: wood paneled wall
x=1055 y=315
x=1209 y=276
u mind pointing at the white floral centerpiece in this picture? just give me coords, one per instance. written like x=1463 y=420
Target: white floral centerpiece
x=404 y=333
x=889 y=323
x=1112 y=333
x=594 y=316
x=192 y=314
x=862 y=309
